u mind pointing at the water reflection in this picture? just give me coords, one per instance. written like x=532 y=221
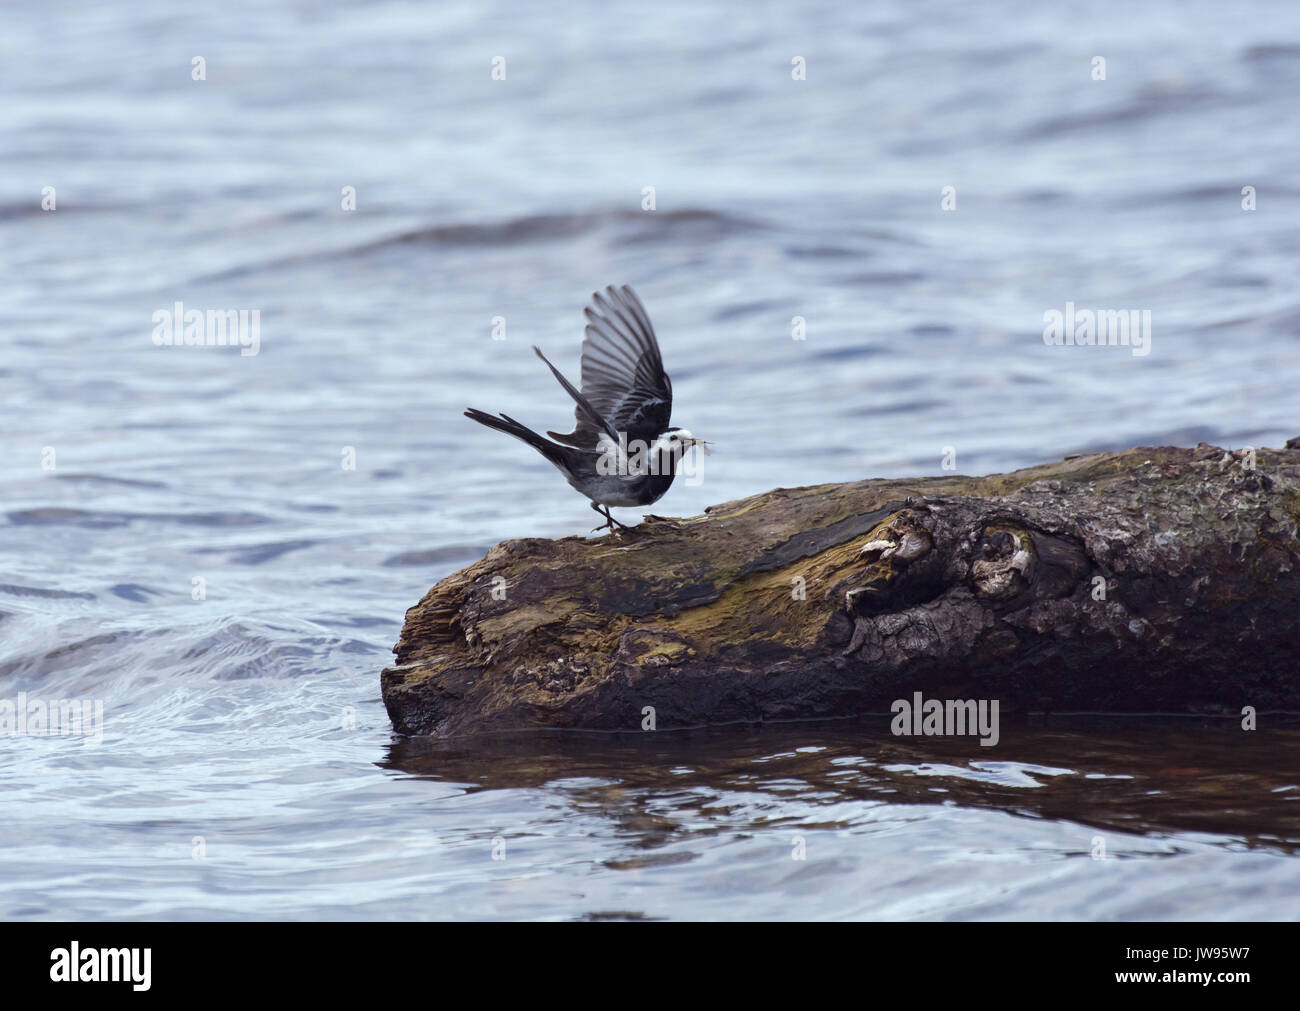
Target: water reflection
x=1194 y=775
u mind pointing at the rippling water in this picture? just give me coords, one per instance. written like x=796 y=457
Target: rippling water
x=247 y=767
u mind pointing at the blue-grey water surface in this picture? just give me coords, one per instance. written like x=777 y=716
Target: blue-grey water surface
x=248 y=769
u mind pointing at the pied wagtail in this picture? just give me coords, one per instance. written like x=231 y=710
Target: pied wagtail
x=622 y=451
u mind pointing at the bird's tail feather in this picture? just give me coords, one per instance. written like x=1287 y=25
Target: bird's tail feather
x=505 y=423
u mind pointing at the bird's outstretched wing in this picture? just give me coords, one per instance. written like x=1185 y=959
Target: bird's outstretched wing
x=623 y=378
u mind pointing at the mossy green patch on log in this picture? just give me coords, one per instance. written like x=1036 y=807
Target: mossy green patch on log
x=1156 y=578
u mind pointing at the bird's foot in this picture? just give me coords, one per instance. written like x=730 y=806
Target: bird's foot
x=610 y=522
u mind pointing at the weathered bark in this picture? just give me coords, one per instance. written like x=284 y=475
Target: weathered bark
x=1154 y=579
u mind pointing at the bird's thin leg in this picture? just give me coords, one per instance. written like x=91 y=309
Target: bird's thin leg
x=609 y=520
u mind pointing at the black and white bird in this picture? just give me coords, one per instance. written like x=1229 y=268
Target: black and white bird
x=622 y=451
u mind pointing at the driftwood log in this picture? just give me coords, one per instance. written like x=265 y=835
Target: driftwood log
x=1156 y=579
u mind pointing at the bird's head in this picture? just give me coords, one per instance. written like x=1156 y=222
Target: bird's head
x=677 y=441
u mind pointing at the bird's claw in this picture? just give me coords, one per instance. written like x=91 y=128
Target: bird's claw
x=609 y=523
